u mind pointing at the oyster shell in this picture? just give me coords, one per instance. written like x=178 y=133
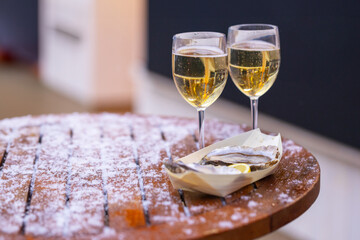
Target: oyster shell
x=258 y=158
x=180 y=167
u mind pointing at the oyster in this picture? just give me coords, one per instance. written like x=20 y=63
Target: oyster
x=178 y=167
x=258 y=158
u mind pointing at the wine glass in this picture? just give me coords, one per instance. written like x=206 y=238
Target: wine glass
x=254 y=60
x=200 y=70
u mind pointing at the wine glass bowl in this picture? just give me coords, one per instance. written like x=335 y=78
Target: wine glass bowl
x=200 y=69
x=254 y=60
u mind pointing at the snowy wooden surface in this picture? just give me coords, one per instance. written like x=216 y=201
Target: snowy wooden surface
x=83 y=175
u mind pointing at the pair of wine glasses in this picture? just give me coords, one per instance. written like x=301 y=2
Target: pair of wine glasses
x=201 y=62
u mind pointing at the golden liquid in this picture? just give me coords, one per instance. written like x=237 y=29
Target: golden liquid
x=254 y=66
x=200 y=74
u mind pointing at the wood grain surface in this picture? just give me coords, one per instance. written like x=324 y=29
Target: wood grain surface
x=102 y=176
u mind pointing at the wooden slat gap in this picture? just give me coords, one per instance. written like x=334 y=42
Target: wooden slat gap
x=180 y=191
x=68 y=183
x=68 y=177
x=4 y=156
x=104 y=183
x=186 y=209
x=196 y=140
x=32 y=184
x=223 y=201
x=140 y=178
x=3 y=159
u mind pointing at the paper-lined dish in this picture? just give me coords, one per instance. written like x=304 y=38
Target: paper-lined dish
x=210 y=170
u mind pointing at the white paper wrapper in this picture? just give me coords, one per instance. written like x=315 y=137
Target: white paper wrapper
x=224 y=184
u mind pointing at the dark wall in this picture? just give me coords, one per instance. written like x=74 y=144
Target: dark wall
x=19 y=28
x=318 y=84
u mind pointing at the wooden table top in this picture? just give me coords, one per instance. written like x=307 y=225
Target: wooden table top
x=102 y=175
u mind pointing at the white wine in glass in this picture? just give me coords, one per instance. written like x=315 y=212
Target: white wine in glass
x=200 y=70
x=254 y=60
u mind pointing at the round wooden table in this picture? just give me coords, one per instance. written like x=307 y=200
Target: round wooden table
x=102 y=175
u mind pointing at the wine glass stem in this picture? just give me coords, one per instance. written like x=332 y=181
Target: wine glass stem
x=201 y=113
x=254 y=112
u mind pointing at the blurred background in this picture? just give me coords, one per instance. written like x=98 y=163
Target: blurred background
x=59 y=56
